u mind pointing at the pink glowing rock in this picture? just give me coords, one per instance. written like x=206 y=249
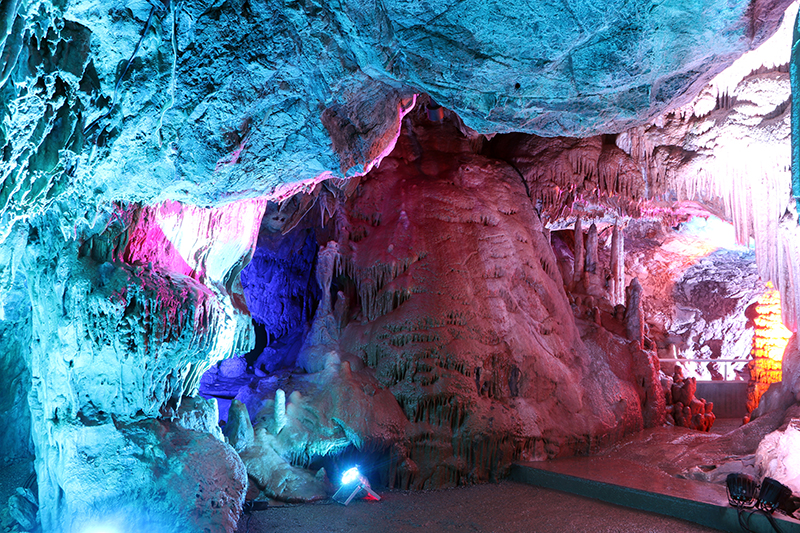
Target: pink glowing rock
x=203 y=243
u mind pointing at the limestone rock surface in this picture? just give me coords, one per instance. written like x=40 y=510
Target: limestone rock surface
x=224 y=100
x=124 y=320
x=777 y=455
x=149 y=475
x=457 y=302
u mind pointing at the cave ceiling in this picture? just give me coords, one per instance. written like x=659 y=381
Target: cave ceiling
x=208 y=102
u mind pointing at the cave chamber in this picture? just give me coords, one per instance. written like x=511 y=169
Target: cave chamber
x=246 y=245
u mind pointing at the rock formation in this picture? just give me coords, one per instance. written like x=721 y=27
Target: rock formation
x=769 y=343
x=683 y=407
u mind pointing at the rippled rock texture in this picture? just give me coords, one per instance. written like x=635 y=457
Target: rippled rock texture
x=234 y=99
x=122 y=327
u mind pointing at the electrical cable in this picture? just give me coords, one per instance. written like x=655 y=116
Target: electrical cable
x=750 y=514
x=773 y=523
x=740 y=510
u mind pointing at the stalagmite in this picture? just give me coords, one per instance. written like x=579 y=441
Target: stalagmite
x=769 y=343
x=634 y=315
x=579 y=250
x=591 y=250
x=617 y=267
x=238 y=429
x=280 y=411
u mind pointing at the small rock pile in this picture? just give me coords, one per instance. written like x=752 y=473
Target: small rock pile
x=683 y=408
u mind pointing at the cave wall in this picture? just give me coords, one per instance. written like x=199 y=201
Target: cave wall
x=226 y=101
x=15 y=342
x=121 y=330
x=724 y=153
x=698 y=284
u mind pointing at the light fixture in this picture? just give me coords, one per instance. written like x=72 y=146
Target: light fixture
x=350 y=475
x=741 y=490
x=742 y=494
x=773 y=493
x=353 y=483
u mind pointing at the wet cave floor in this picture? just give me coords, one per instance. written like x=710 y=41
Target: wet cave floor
x=694 y=462
x=505 y=507
x=511 y=506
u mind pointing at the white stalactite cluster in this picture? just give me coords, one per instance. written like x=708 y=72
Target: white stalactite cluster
x=734 y=156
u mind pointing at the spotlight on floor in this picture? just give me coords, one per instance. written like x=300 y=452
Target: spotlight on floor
x=742 y=494
x=741 y=490
x=773 y=493
x=353 y=484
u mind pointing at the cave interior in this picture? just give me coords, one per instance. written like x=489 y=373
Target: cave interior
x=246 y=245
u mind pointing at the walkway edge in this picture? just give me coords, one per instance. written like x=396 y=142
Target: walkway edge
x=706 y=514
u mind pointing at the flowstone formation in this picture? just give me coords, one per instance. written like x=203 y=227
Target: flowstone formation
x=124 y=321
x=461 y=312
x=443 y=345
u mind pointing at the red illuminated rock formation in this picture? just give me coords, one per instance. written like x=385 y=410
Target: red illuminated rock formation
x=769 y=343
x=457 y=303
x=683 y=407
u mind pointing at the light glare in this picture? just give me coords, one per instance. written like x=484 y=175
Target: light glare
x=350 y=475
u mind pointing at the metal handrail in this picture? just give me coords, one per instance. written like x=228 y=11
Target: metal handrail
x=723 y=370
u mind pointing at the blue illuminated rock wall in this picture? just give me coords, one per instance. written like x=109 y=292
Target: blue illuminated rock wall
x=15 y=340
x=281 y=291
x=116 y=352
x=227 y=100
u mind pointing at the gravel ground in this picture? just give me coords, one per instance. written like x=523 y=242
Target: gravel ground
x=506 y=507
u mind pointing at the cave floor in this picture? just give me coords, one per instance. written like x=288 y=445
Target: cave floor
x=505 y=507
x=669 y=470
x=669 y=457
x=680 y=455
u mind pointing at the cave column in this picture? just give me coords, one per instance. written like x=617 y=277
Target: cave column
x=591 y=250
x=579 y=251
x=617 y=266
x=634 y=313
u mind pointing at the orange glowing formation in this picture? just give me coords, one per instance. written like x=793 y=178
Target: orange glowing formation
x=769 y=342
